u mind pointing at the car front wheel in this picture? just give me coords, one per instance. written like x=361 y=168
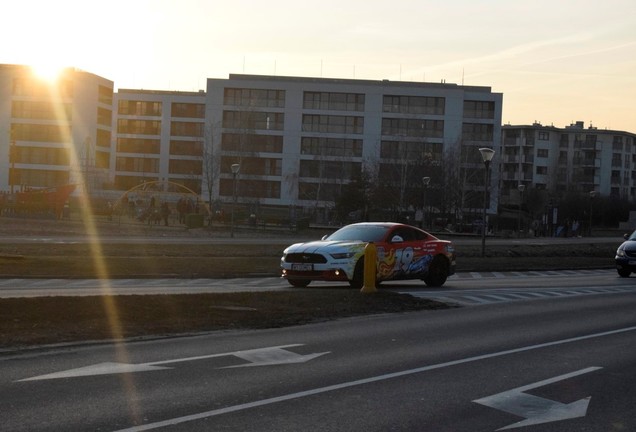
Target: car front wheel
x=298 y=283
x=358 y=275
x=624 y=272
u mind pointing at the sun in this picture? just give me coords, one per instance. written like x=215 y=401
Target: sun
x=48 y=71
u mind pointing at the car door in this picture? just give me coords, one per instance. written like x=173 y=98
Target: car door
x=400 y=254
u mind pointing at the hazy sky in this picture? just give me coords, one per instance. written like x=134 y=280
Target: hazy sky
x=555 y=61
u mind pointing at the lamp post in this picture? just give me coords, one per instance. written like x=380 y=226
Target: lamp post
x=486 y=154
x=592 y=196
x=235 y=170
x=520 y=188
x=425 y=182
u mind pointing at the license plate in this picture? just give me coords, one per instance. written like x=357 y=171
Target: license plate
x=302 y=267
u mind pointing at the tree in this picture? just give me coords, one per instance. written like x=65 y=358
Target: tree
x=211 y=160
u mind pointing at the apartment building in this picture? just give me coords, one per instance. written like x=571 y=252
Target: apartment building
x=158 y=137
x=569 y=159
x=56 y=132
x=299 y=141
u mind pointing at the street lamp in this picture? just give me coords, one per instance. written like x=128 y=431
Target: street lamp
x=425 y=182
x=592 y=196
x=486 y=154
x=235 y=170
x=520 y=188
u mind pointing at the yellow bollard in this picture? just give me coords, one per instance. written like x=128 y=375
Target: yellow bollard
x=370 y=257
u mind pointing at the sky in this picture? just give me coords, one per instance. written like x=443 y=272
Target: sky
x=555 y=62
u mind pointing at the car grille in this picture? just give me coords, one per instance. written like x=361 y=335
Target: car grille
x=305 y=258
x=630 y=253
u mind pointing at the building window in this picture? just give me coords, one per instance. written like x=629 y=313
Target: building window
x=250 y=188
x=254 y=98
x=105 y=95
x=40 y=132
x=477 y=132
x=411 y=151
x=186 y=148
x=333 y=124
x=542 y=153
x=185 y=166
x=139 y=108
x=333 y=101
x=104 y=117
x=41 y=155
x=253 y=120
x=137 y=164
x=413 y=105
x=257 y=165
x=544 y=136
x=139 y=127
x=416 y=128
x=252 y=143
x=42 y=110
x=190 y=110
x=189 y=129
x=479 y=109
x=323 y=169
x=321 y=146
x=541 y=170
x=138 y=145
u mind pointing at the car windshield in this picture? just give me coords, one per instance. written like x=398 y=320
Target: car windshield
x=633 y=236
x=365 y=233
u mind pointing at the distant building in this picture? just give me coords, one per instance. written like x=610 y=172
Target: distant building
x=569 y=159
x=299 y=141
x=54 y=133
x=158 y=136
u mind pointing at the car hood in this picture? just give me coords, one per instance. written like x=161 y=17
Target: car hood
x=325 y=246
x=629 y=245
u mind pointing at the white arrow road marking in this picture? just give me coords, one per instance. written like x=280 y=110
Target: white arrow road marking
x=272 y=356
x=257 y=357
x=534 y=409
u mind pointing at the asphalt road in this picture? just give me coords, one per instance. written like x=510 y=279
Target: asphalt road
x=567 y=363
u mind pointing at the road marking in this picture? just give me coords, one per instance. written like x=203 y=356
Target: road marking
x=320 y=390
x=534 y=409
x=256 y=357
x=490 y=296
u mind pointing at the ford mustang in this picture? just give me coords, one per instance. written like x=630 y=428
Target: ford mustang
x=403 y=252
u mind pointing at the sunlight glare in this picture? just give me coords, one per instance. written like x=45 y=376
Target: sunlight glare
x=48 y=71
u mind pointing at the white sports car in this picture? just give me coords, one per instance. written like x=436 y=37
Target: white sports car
x=403 y=252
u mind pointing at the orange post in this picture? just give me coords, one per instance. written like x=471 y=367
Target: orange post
x=370 y=257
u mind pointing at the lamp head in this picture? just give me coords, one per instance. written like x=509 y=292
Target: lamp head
x=235 y=168
x=426 y=181
x=487 y=154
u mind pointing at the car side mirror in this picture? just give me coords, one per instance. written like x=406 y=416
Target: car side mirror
x=397 y=239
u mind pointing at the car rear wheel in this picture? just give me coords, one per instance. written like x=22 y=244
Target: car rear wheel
x=437 y=272
x=624 y=272
x=298 y=283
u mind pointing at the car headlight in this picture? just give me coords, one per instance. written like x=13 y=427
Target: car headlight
x=620 y=253
x=342 y=255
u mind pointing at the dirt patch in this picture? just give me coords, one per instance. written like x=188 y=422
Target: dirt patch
x=46 y=320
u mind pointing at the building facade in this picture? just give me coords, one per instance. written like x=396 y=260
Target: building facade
x=54 y=133
x=573 y=158
x=300 y=141
x=158 y=136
